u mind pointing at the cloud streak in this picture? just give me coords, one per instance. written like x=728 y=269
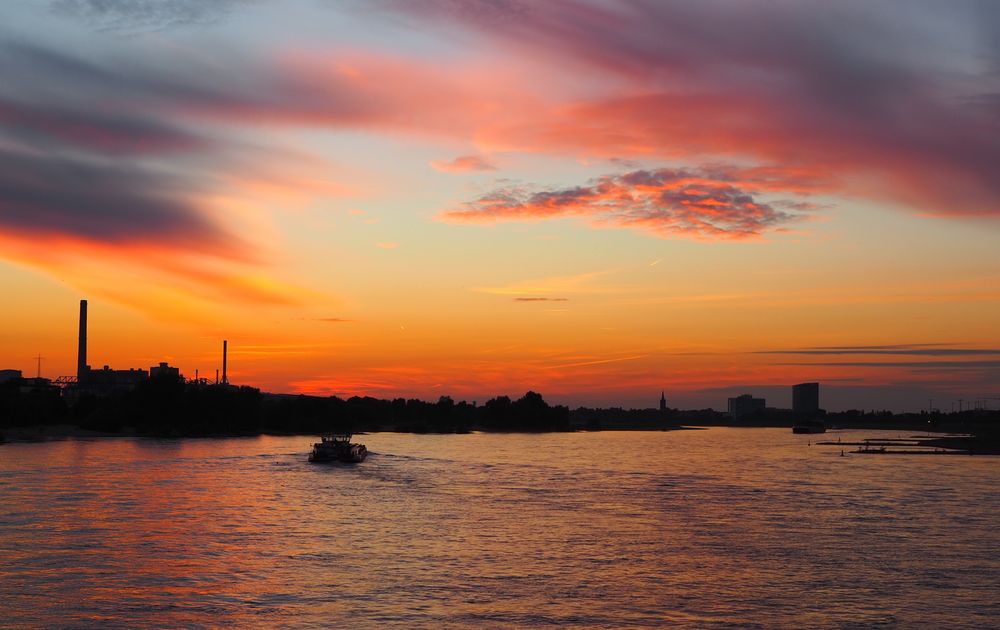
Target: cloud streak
x=146 y=14
x=540 y=299
x=920 y=350
x=112 y=203
x=926 y=365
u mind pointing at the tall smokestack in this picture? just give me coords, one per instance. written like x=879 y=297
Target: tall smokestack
x=225 y=359
x=81 y=354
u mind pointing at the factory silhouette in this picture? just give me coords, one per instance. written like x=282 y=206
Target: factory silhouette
x=161 y=402
x=107 y=380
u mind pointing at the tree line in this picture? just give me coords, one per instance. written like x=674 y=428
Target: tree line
x=169 y=406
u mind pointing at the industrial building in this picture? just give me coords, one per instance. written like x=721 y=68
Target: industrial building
x=805 y=398
x=107 y=380
x=745 y=405
x=164 y=370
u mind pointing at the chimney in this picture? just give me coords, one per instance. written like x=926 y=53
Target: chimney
x=81 y=356
x=225 y=358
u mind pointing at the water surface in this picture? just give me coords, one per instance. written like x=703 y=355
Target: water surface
x=709 y=529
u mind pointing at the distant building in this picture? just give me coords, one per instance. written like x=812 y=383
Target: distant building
x=163 y=369
x=663 y=401
x=805 y=398
x=745 y=405
x=6 y=375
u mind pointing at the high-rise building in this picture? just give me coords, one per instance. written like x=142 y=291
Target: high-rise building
x=805 y=398
x=745 y=405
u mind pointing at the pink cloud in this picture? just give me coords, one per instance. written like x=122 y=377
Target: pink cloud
x=912 y=121
x=668 y=203
x=463 y=164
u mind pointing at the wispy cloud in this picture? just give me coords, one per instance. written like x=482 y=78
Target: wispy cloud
x=927 y=365
x=596 y=362
x=540 y=299
x=146 y=14
x=928 y=350
x=593 y=282
x=464 y=164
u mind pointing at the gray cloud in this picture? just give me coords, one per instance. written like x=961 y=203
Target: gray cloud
x=134 y=127
x=110 y=202
x=146 y=14
x=40 y=125
x=78 y=155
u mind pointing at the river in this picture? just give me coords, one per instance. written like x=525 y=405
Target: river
x=714 y=528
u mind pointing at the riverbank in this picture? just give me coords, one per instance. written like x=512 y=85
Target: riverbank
x=46 y=433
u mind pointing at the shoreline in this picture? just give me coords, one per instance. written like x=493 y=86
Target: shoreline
x=58 y=432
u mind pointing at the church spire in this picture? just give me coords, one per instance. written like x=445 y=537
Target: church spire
x=663 y=401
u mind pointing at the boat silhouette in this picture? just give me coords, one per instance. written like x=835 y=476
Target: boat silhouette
x=337 y=447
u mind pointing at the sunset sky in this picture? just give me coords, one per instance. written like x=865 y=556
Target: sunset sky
x=594 y=199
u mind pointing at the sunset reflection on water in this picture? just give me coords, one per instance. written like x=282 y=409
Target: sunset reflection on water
x=703 y=528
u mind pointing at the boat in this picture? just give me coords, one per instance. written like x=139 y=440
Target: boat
x=809 y=426
x=337 y=447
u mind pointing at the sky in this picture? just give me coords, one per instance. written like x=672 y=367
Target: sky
x=598 y=200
